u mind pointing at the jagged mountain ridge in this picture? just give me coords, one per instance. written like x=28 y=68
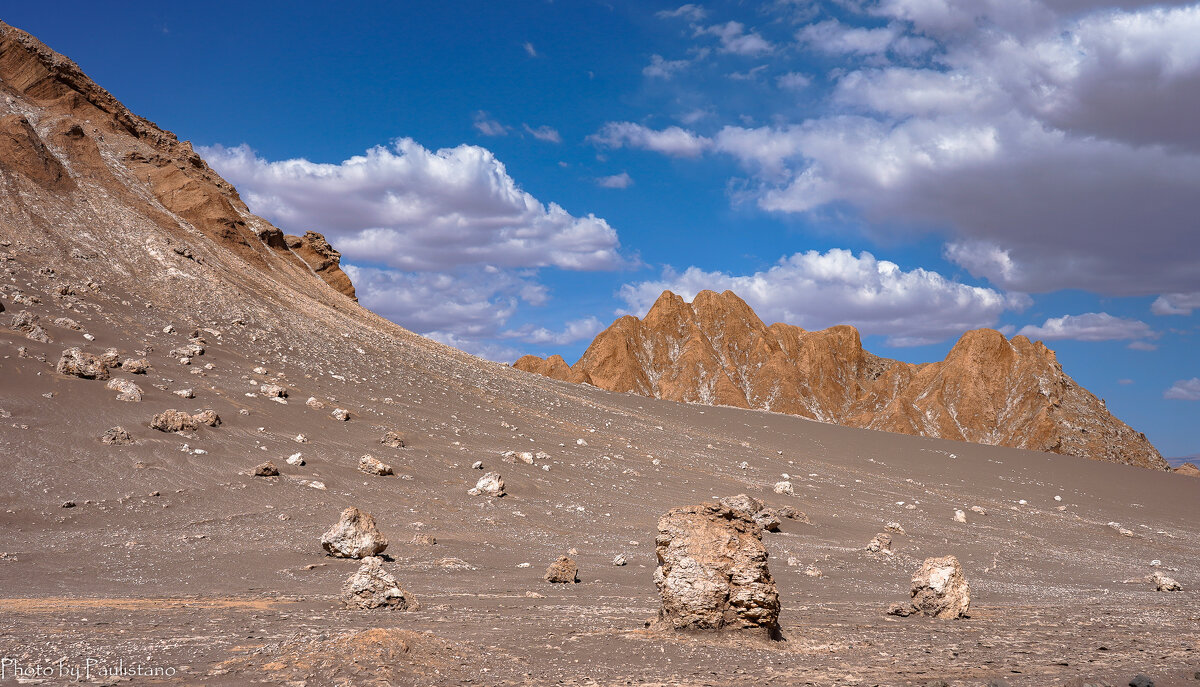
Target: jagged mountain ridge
x=988 y=389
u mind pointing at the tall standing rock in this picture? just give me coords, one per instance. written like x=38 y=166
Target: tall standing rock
x=354 y=536
x=373 y=587
x=939 y=589
x=712 y=571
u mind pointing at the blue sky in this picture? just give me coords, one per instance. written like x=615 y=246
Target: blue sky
x=508 y=177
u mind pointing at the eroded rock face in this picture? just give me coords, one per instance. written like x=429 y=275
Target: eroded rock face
x=75 y=363
x=373 y=587
x=174 y=421
x=1162 y=583
x=267 y=469
x=712 y=571
x=207 y=417
x=321 y=257
x=940 y=590
x=989 y=389
x=392 y=440
x=116 y=436
x=563 y=570
x=126 y=390
x=354 y=536
x=373 y=466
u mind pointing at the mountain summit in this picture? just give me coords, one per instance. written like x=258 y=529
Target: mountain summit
x=988 y=390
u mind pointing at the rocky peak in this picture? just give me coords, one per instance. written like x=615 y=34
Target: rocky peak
x=988 y=389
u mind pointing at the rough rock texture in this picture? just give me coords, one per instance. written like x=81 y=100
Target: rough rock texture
x=392 y=440
x=1188 y=469
x=563 y=570
x=712 y=571
x=75 y=363
x=988 y=389
x=174 y=421
x=136 y=366
x=881 y=543
x=1162 y=583
x=373 y=587
x=126 y=390
x=321 y=257
x=117 y=436
x=491 y=484
x=373 y=466
x=207 y=417
x=355 y=535
x=940 y=590
x=267 y=469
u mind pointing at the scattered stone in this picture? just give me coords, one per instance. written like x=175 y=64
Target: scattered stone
x=272 y=391
x=340 y=414
x=784 y=487
x=208 y=417
x=111 y=358
x=174 y=421
x=354 y=536
x=117 y=436
x=792 y=514
x=768 y=519
x=136 y=366
x=491 y=484
x=126 y=390
x=67 y=323
x=184 y=393
x=902 y=610
x=960 y=516
x=68 y=504
x=393 y=440
x=712 y=572
x=260 y=370
x=477 y=465
x=314 y=403
x=1162 y=583
x=423 y=540
x=300 y=439
x=373 y=587
x=620 y=560
x=882 y=544
x=940 y=590
x=373 y=466
x=266 y=469
x=977 y=509
x=75 y=363
x=1140 y=680
x=894 y=527
x=562 y=570
x=27 y=323
x=295 y=459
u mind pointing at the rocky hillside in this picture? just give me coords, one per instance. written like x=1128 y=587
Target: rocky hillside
x=988 y=389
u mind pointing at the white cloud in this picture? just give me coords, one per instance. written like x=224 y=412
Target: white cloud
x=737 y=40
x=689 y=12
x=816 y=290
x=488 y=126
x=622 y=180
x=529 y=49
x=1140 y=345
x=544 y=133
x=575 y=330
x=1092 y=326
x=1184 y=390
x=793 y=81
x=413 y=209
x=833 y=37
x=1176 y=303
x=670 y=141
x=662 y=68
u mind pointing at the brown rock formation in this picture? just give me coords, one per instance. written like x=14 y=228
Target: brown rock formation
x=316 y=252
x=85 y=150
x=988 y=389
x=1188 y=469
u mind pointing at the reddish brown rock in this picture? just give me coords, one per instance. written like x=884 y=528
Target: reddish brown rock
x=940 y=590
x=1188 y=469
x=75 y=363
x=988 y=389
x=321 y=257
x=562 y=570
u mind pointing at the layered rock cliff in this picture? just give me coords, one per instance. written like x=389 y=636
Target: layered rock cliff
x=988 y=390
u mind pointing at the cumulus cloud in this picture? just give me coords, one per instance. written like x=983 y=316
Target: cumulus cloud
x=1092 y=326
x=415 y=209
x=1052 y=143
x=816 y=290
x=1184 y=390
x=575 y=330
x=544 y=133
x=663 y=68
x=622 y=180
x=793 y=81
x=689 y=11
x=735 y=39
x=1176 y=303
x=671 y=141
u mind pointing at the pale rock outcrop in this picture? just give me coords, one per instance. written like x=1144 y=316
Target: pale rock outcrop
x=174 y=421
x=1162 y=583
x=491 y=484
x=75 y=363
x=373 y=466
x=207 y=417
x=712 y=571
x=373 y=587
x=126 y=390
x=355 y=535
x=940 y=590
